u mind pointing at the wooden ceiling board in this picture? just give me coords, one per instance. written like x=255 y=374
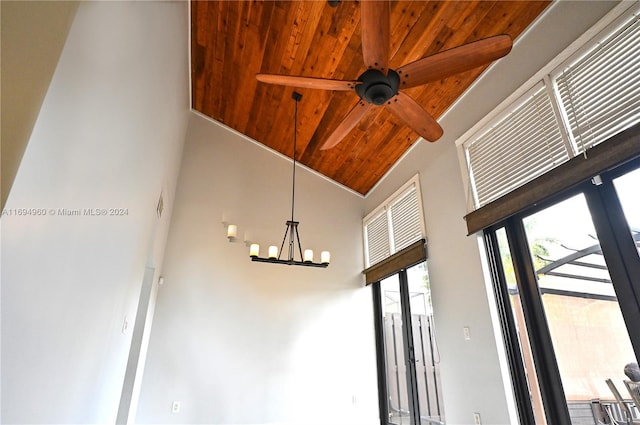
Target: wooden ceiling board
x=232 y=41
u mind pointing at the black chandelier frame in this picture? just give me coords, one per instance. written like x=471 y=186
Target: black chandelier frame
x=291 y=230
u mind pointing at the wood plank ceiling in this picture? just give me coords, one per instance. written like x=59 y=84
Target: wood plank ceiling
x=232 y=41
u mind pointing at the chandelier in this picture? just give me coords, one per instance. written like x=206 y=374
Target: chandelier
x=291 y=230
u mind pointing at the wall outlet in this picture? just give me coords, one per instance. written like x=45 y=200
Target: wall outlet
x=175 y=407
x=476 y=419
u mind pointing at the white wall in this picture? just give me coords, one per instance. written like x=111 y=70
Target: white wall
x=242 y=342
x=32 y=37
x=109 y=135
x=471 y=372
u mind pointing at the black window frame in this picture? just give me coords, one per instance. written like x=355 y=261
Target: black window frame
x=408 y=350
x=623 y=262
x=398 y=264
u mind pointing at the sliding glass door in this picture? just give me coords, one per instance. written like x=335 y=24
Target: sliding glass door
x=569 y=273
x=408 y=356
x=627 y=188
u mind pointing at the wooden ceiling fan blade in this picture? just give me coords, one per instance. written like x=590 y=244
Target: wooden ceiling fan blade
x=374 y=24
x=307 y=82
x=347 y=124
x=420 y=121
x=455 y=60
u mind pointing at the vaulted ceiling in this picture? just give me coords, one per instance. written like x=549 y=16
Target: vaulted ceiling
x=232 y=41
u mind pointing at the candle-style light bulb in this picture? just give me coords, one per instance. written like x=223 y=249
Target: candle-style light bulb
x=273 y=251
x=325 y=257
x=254 y=250
x=232 y=231
x=308 y=256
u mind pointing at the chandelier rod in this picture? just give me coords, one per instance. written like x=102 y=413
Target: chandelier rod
x=292 y=226
x=296 y=96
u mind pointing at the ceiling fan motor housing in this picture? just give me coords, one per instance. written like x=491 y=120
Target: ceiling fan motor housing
x=376 y=87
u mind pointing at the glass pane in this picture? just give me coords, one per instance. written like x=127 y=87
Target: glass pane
x=589 y=336
x=398 y=402
x=627 y=190
x=518 y=315
x=425 y=348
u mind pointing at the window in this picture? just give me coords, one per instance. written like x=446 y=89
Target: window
x=590 y=97
x=523 y=145
x=407 y=354
x=395 y=224
x=600 y=93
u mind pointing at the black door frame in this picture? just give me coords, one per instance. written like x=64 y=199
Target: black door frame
x=623 y=262
x=408 y=348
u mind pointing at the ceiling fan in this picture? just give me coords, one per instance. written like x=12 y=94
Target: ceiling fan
x=380 y=85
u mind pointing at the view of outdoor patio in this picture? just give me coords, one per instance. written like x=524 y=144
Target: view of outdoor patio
x=590 y=340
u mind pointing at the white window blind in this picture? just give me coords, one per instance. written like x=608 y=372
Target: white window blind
x=395 y=224
x=587 y=99
x=406 y=220
x=600 y=93
x=377 y=235
x=523 y=145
